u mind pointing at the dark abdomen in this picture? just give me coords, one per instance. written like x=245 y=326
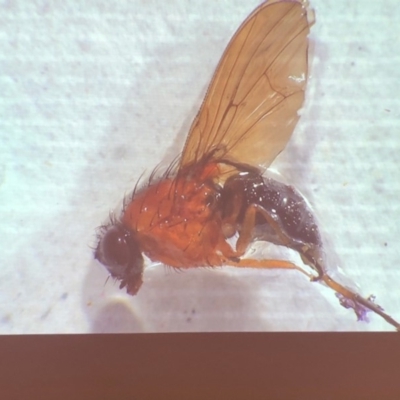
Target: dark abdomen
x=281 y=202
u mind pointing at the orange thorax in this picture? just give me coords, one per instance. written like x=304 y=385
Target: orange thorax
x=177 y=221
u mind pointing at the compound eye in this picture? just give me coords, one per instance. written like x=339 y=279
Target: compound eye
x=113 y=249
x=118 y=250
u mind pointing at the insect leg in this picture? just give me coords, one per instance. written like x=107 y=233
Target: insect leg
x=229 y=225
x=248 y=224
x=349 y=299
x=282 y=238
x=266 y=264
x=357 y=299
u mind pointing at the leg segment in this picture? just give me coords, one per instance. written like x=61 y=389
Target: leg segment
x=337 y=287
x=266 y=264
x=349 y=298
x=356 y=298
x=248 y=225
x=246 y=237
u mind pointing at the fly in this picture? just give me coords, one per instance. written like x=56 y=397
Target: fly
x=216 y=189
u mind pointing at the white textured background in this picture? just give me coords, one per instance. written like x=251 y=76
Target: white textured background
x=92 y=93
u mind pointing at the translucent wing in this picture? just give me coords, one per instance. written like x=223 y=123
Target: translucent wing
x=251 y=107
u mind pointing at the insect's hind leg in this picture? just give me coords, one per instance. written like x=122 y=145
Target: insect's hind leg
x=266 y=264
x=356 y=299
x=348 y=298
x=280 y=238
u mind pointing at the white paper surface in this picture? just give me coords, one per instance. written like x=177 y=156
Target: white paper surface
x=93 y=93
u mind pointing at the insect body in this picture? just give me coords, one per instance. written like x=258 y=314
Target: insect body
x=216 y=190
x=264 y=209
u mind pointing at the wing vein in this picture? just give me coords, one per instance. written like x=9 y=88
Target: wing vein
x=254 y=96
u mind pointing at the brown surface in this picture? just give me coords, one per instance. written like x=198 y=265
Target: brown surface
x=201 y=366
